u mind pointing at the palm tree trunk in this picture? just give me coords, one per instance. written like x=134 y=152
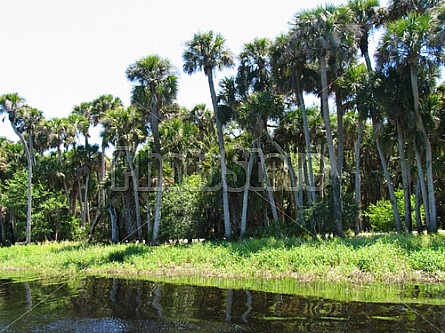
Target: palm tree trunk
x=268 y=185
x=392 y=196
x=135 y=193
x=340 y=131
x=405 y=178
x=114 y=224
x=432 y=225
x=421 y=181
x=358 y=197
x=85 y=214
x=302 y=105
x=149 y=226
x=417 y=208
x=222 y=153
x=157 y=146
x=29 y=162
x=336 y=185
x=243 y=226
x=293 y=178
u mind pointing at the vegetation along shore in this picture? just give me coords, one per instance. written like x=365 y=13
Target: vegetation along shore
x=385 y=258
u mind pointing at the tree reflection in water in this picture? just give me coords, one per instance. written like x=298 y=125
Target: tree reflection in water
x=113 y=305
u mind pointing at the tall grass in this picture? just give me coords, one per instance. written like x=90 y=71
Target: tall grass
x=387 y=258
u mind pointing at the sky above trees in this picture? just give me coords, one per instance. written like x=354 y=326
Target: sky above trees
x=57 y=54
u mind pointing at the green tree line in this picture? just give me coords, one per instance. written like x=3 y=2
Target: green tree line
x=259 y=160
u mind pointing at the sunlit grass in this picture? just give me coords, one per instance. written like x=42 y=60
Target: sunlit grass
x=386 y=258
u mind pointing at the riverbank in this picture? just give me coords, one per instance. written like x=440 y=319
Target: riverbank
x=383 y=258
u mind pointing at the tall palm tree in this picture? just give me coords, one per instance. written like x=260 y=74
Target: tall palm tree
x=317 y=32
x=410 y=41
x=207 y=51
x=12 y=104
x=293 y=75
x=157 y=87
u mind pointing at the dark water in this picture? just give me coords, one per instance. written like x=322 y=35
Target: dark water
x=113 y=305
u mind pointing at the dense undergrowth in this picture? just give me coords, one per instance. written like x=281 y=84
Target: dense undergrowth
x=383 y=258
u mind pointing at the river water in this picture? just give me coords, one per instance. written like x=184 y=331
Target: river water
x=93 y=304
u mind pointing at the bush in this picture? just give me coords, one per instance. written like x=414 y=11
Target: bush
x=181 y=218
x=381 y=216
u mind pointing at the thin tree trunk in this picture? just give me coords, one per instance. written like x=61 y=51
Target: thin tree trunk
x=392 y=196
x=405 y=179
x=293 y=178
x=82 y=216
x=336 y=184
x=157 y=145
x=29 y=162
x=114 y=224
x=267 y=181
x=2 y=226
x=222 y=152
x=307 y=139
x=135 y=194
x=432 y=225
x=149 y=226
x=243 y=226
x=421 y=180
x=85 y=213
x=417 y=208
x=358 y=197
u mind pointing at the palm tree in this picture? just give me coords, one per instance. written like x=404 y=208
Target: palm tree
x=12 y=104
x=207 y=51
x=410 y=41
x=318 y=32
x=125 y=130
x=293 y=75
x=157 y=87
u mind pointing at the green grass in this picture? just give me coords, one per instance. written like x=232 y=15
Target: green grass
x=387 y=258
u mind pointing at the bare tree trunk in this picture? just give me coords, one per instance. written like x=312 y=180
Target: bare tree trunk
x=421 y=180
x=405 y=178
x=268 y=185
x=417 y=208
x=114 y=224
x=311 y=190
x=336 y=184
x=293 y=178
x=149 y=226
x=432 y=225
x=358 y=197
x=135 y=193
x=222 y=153
x=392 y=196
x=246 y=194
x=157 y=145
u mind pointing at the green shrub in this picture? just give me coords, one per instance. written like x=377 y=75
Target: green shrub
x=181 y=218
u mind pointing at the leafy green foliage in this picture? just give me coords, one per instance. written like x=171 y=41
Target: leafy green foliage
x=181 y=218
x=381 y=216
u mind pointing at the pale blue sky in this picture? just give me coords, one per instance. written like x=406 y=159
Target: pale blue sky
x=59 y=53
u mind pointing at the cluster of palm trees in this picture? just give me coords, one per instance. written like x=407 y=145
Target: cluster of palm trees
x=372 y=126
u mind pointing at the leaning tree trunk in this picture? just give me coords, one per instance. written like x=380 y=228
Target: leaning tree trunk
x=432 y=225
x=336 y=185
x=222 y=152
x=417 y=208
x=246 y=194
x=392 y=196
x=135 y=193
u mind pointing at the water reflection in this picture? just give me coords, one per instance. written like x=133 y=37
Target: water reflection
x=113 y=305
